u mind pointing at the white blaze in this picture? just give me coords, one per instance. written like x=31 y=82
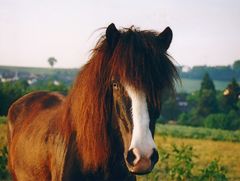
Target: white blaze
x=141 y=136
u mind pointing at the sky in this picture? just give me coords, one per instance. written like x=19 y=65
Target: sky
x=205 y=32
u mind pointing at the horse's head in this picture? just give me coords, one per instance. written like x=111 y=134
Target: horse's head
x=136 y=127
x=138 y=65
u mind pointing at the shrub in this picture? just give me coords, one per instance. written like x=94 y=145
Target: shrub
x=3 y=119
x=177 y=165
x=4 y=174
x=213 y=172
x=218 y=120
x=183 y=162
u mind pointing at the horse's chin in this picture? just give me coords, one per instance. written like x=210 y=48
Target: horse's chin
x=141 y=173
x=135 y=171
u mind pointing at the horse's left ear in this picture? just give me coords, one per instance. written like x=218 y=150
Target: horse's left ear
x=166 y=38
x=112 y=35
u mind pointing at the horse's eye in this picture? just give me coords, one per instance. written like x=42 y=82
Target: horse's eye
x=115 y=86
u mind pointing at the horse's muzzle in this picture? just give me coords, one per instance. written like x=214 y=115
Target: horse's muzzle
x=140 y=164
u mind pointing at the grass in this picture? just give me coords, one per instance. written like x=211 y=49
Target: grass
x=3 y=135
x=206 y=150
x=2 y=119
x=197 y=133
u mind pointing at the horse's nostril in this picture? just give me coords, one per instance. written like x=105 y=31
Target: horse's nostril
x=130 y=157
x=154 y=157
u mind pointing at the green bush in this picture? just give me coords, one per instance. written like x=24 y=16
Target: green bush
x=183 y=163
x=4 y=174
x=3 y=119
x=230 y=121
x=213 y=172
x=218 y=121
x=177 y=165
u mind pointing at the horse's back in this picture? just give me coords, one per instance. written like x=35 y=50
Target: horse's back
x=29 y=121
x=30 y=105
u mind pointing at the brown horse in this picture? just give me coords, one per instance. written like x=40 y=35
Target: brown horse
x=103 y=130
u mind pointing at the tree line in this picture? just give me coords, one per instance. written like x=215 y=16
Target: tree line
x=206 y=107
x=222 y=73
x=11 y=91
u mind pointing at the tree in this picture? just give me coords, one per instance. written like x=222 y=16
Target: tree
x=207 y=102
x=207 y=84
x=230 y=96
x=170 y=109
x=52 y=61
x=218 y=121
x=236 y=65
x=10 y=92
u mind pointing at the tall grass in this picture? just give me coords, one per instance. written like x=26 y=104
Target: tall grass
x=3 y=119
x=197 y=133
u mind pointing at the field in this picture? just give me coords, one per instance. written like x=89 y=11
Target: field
x=206 y=150
x=197 y=133
x=37 y=70
x=226 y=152
x=191 y=85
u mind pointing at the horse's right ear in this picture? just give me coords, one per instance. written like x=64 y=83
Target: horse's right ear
x=112 y=35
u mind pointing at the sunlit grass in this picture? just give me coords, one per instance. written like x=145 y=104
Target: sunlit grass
x=197 y=133
x=206 y=150
x=3 y=135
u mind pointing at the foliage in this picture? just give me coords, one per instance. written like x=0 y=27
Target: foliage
x=50 y=85
x=230 y=121
x=178 y=163
x=170 y=110
x=218 y=120
x=183 y=162
x=210 y=108
x=207 y=102
x=3 y=120
x=223 y=73
x=11 y=91
x=52 y=61
x=229 y=98
x=214 y=171
x=236 y=65
x=4 y=174
x=207 y=84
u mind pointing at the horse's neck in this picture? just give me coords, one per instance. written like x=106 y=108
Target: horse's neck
x=114 y=170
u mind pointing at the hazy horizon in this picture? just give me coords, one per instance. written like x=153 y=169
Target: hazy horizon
x=204 y=32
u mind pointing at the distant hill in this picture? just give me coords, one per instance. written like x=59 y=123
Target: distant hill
x=191 y=85
x=9 y=73
x=37 y=70
x=221 y=73
x=191 y=79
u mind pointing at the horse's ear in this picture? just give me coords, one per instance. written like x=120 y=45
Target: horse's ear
x=112 y=35
x=166 y=38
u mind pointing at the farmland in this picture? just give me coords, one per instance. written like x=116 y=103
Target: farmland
x=191 y=85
